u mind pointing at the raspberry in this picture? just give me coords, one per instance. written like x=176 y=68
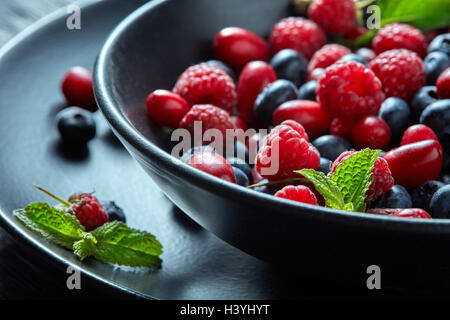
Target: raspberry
x=326 y=56
x=300 y=34
x=382 y=179
x=297 y=193
x=400 y=36
x=334 y=16
x=284 y=150
x=443 y=84
x=349 y=90
x=210 y=117
x=401 y=71
x=88 y=210
x=205 y=83
x=401 y=213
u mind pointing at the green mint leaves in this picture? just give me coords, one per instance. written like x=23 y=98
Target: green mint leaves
x=346 y=188
x=423 y=14
x=113 y=242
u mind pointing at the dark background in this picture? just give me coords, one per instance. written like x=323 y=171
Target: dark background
x=22 y=274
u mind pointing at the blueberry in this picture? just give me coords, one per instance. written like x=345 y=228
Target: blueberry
x=243 y=166
x=308 y=91
x=271 y=97
x=76 y=125
x=437 y=117
x=396 y=113
x=290 y=65
x=421 y=195
x=354 y=57
x=422 y=99
x=440 y=203
x=115 y=213
x=188 y=154
x=224 y=67
x=396 y=197
x=324 y=165
x=266 y=189
x=241 y=177
x=330 y=146
x=445 y=178
x=440 y=43
x=239 y=151
x=382 y=153
x=435 y=63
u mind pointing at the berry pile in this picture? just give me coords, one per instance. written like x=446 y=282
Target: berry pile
x=321 y=103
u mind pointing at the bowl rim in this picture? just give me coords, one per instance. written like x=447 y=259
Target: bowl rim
x=121 y=126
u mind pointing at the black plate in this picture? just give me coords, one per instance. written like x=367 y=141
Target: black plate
x=197 y=265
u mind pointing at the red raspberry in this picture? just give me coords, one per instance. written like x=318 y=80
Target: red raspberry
x=88 y=210
x=342 y=127
x=371 y=132
x=237 y=46
x=210 y=117
x=300 y=34
x=214 y=164
x=400 y=36
x=284 y=150
x=401 y=213
x=401 y=71
x=205 y=83
x=443 y=84
x=349 y=90
x=382 y=179
x=166 y=108
x=77 y=88
x=416 y=133
x=334 y=16
x=297 y=193
x=355 y=33
x=326 y=56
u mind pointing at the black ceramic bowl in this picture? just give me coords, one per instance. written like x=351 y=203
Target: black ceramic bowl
x=148 y=51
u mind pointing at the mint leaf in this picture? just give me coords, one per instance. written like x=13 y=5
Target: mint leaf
x=423 y=14
x=55 y=225
x=116 y=243
x=326 y=187
x=353 y=177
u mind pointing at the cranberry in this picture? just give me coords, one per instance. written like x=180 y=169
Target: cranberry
x=308 y=113
x=214 y=164
x=253 y=79
x=414 y=164
x=236 y=47
x=239 y=123
x=77 y=88
x=342 y=128
x=166 y=108
x=416 y=133
x=371 y=132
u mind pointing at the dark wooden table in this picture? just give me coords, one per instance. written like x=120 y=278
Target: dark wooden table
x=22 y=274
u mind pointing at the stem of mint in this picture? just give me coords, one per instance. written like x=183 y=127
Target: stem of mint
x=64 y=202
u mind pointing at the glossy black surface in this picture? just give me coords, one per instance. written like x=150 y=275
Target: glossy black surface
x=143 y=54
x=196 y=263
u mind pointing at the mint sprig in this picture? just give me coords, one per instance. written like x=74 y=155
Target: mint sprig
x=113 y=242
x=346 y=188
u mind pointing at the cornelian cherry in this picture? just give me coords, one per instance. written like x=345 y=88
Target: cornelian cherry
x=371 y=132
x=166 y=108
